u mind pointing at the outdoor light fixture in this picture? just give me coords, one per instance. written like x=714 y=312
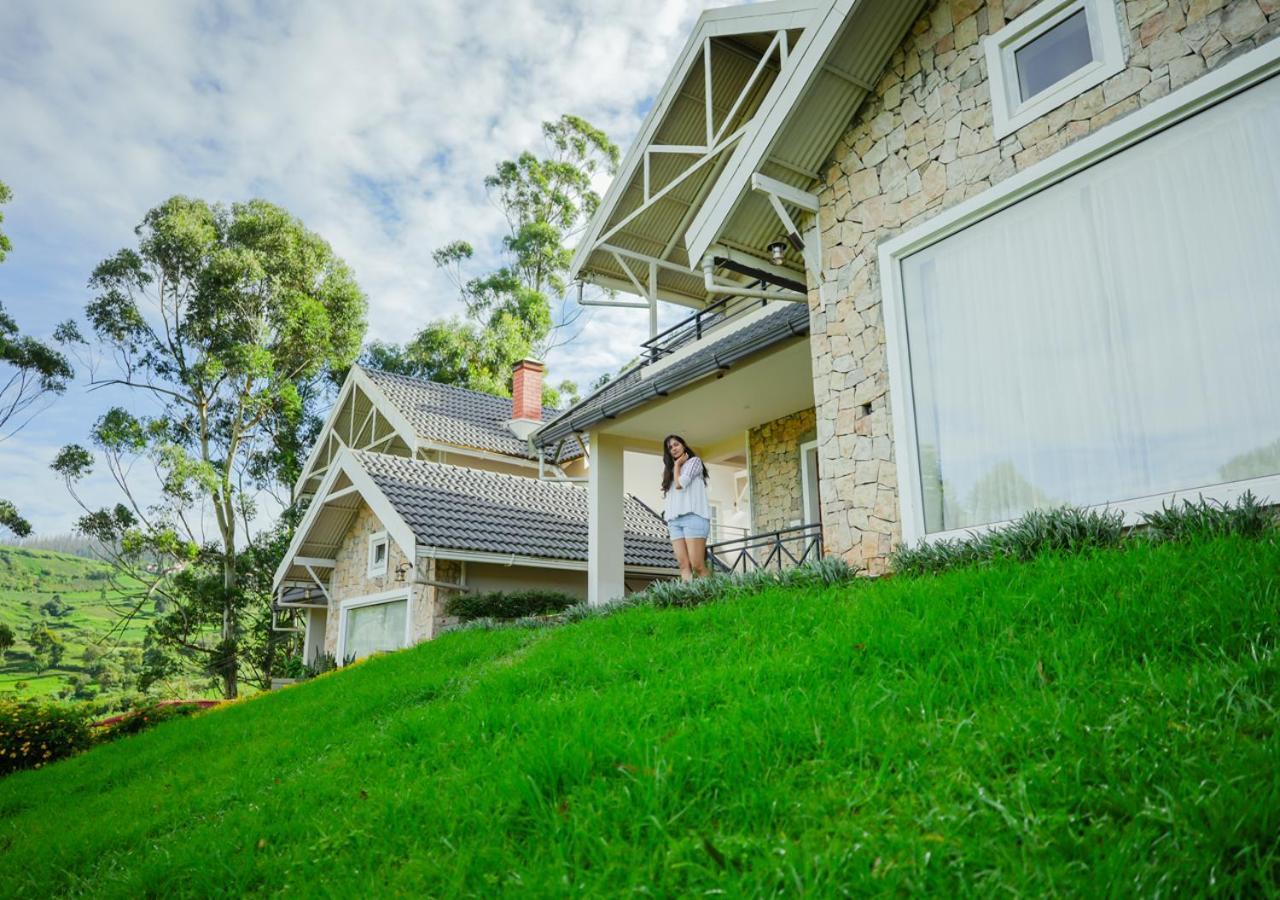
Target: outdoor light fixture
x=777 y=251
x=402 y=569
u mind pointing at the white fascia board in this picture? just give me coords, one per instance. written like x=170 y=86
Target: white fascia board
x=347 y=464
x=810 y=53
x=532 y=562
x=776 y=16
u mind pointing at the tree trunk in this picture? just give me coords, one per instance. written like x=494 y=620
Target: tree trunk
x=230 y=649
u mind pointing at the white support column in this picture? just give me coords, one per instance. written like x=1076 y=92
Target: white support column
x=653 y=300
x=605 y=524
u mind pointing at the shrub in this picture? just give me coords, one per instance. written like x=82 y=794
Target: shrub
x=818 y=573
x=145 y=717
x=1065 y=529
x=1202 y=519
x=33 y=734
x=513 y=605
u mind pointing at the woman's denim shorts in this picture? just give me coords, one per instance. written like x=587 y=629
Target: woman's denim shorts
x=689 y=525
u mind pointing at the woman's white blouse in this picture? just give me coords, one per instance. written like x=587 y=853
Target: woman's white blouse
x=692 y=496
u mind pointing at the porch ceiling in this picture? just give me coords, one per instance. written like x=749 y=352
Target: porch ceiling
x=718 y=407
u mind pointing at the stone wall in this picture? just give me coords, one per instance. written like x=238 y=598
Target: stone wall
x=351 y=572
x=777 y=498
x=922 y=142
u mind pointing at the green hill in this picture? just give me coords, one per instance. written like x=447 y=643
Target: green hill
x=1096 y=724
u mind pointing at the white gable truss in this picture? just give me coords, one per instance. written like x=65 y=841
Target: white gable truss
x=691 y=232
x=363 y=418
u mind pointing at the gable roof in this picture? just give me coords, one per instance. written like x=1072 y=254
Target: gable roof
x=457 y=508
x=742 y=51
x=447 y=414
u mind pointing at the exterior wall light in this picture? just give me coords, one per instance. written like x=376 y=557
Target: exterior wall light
x=777 y=251
x=402 y=569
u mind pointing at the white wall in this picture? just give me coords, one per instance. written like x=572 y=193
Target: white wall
x=642 y=478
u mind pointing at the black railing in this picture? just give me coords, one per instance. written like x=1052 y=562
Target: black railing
x=772 y=550
x=693 y=328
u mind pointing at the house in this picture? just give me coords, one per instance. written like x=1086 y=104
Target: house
x=419 y=490
x=948 y=261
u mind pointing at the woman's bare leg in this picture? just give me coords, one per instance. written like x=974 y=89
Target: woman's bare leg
x=682 y=557
x=696 y=552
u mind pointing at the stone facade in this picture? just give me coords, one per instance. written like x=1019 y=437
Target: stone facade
x=777 y=498
x=351 y=574
x=922 y=142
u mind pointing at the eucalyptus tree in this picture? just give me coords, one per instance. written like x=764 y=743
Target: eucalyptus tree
x=30 y=371
x=521 y=308
x=221 y=328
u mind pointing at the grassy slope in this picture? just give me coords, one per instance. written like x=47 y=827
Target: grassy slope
x=30 y=577
x=1053 y=727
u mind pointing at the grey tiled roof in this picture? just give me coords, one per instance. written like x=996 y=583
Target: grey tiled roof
x=457 y=508
x=632 y=389
x=446 y=414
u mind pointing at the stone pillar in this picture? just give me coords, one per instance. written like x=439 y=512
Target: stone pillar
x=605 y=525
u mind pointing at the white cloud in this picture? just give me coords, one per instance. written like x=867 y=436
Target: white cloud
x=374 y=122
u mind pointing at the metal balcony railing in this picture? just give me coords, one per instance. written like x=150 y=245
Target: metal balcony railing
x=697 y=325
x=772 y=550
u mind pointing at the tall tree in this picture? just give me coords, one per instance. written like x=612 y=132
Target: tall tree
x=521 y=308
x=30 y=370
x=228 y=321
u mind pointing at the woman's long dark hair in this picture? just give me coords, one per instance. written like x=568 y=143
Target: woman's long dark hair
x=669 y=463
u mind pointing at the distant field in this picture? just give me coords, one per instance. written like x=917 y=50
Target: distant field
x=29 y=579
x=1096 y=725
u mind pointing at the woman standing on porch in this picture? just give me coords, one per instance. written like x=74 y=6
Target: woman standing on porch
x=688 y=513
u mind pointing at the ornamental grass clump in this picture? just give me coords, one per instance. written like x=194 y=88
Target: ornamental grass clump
x=1204 y=519
x=1064 y=529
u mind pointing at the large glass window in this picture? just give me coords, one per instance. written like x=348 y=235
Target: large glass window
x=374 y=628
x=1112 y=337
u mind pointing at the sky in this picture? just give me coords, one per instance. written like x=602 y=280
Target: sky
x=373 y=122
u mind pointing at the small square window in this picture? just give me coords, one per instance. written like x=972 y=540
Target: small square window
x=378 y=550
x=1050 y=55
x=1060 y=51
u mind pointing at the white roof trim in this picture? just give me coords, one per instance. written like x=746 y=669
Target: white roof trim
x=346 y=464
x=751 y=152
x=781 y=14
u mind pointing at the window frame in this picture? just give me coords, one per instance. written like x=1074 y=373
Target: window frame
x=376 y=569
x=374 y=600
x=1211 y=89
x=809 y=490
x=1106 y=37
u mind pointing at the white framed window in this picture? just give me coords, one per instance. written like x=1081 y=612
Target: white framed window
x=1051 y=54
x=379 y=550
x=376 y=624
x=1121 y=353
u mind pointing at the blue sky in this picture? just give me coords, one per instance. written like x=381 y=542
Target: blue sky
x=373 y=122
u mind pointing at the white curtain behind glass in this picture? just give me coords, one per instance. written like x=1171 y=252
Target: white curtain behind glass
x=371 y=629
x=1115 y=336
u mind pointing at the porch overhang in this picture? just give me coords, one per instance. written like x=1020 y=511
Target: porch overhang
x=764 y=364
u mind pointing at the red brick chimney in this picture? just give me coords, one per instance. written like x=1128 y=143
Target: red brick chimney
x=526 y=390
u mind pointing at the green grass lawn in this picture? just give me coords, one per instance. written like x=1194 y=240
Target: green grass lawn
x=1103 y=724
